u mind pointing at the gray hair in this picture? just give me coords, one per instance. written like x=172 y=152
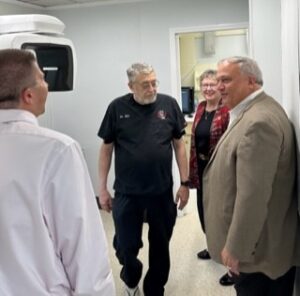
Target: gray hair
x=16 y=74
x=247 y=66
x=138 y=68
x=207 y=74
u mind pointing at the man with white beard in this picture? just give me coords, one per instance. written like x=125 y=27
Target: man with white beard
x=142 y=128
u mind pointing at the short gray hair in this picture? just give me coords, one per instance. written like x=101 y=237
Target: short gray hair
x=247 y=66
x=138 y=68
x=207 y=74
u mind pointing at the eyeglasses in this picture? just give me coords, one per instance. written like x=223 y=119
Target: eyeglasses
x=147 y=84
x=207 y=85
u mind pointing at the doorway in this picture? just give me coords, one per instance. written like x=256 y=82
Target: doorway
x=195 y=49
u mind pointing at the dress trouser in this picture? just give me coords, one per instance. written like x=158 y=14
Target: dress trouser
x=200 y=207
x=201 y=166
x=129 y=215
x=258 y=284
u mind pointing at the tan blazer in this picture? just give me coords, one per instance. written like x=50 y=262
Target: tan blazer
x=250 y=204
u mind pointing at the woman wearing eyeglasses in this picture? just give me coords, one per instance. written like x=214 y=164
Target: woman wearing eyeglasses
x=211 y=121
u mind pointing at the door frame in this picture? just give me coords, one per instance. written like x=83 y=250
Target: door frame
x=175 y=51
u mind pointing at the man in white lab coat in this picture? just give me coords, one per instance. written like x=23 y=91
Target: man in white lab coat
x=52 y=238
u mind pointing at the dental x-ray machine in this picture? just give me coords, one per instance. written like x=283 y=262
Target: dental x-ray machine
x=42 y=34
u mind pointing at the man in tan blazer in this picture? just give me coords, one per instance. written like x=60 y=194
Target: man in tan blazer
x=250 y=204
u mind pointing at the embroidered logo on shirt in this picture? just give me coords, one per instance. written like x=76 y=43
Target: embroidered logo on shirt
x=161 y=114
x=124 y=116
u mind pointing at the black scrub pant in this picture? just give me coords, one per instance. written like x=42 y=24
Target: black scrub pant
x=129 y=215
x=258 y=284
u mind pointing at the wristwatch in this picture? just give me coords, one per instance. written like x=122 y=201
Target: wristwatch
x=185 y=183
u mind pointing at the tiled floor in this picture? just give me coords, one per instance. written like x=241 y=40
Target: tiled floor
x=188 y=276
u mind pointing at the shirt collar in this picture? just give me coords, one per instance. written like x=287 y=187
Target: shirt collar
x=239 y=108
x=10 y=115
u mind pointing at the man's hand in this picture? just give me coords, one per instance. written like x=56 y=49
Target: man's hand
x=230 y=262
x=105 y=200
x=182 y=196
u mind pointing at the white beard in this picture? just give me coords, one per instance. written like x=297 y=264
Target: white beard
x=145 y=101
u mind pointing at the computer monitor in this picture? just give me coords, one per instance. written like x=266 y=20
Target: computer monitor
x=187 y=100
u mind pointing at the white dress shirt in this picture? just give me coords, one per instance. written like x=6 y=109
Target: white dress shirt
x=51 y=233
x=239 y=108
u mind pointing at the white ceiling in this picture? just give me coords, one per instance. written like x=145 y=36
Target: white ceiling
x=65 y=3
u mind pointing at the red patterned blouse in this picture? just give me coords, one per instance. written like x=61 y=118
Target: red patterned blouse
x=218 y=127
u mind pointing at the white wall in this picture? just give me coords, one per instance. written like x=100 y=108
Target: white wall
x=110 y=38
x=265 y=33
